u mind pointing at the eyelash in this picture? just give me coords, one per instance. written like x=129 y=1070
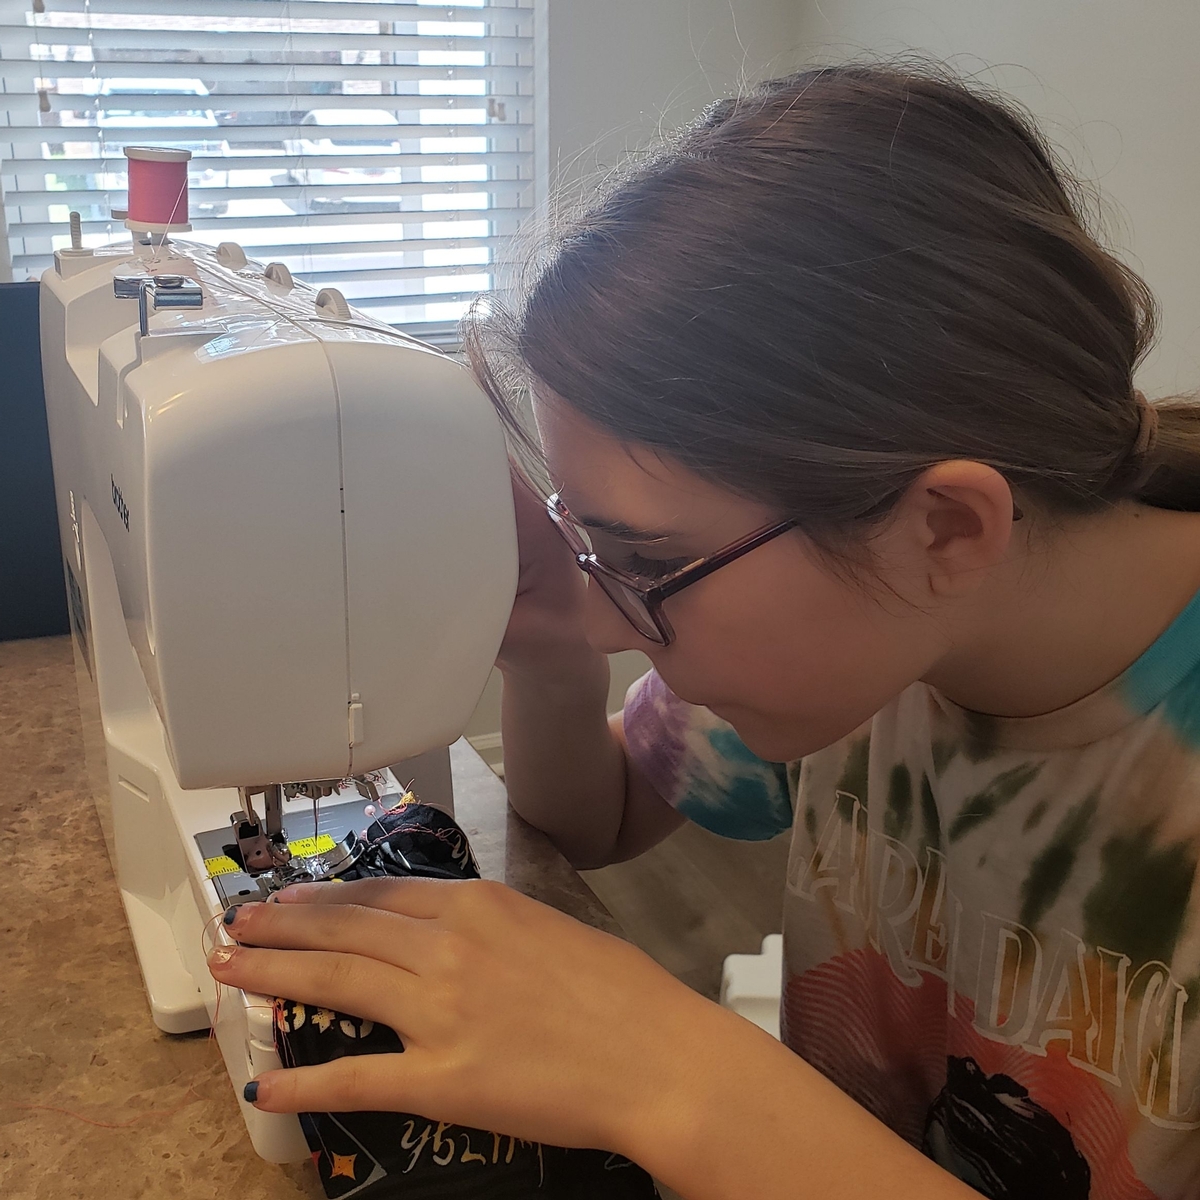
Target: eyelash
x=654 y=568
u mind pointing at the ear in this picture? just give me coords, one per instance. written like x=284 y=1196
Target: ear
x=960 y=516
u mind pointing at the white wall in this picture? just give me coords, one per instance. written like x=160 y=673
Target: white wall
x=1116 y=86
x=617 y=72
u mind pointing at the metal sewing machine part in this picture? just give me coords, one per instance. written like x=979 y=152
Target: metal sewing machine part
x=290 y=556
x=263 y=846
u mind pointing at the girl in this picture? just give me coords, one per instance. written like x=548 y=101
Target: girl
x=837 y=395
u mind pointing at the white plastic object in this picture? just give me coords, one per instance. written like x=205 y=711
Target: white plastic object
x=751 y=984
x=331 y=303
x=277 y=272
x=231 y=255
x=74 y=258
x=157 y=154
x=302 y=515
x=267 y=518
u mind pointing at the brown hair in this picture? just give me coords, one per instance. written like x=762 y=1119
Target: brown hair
x=825 y=286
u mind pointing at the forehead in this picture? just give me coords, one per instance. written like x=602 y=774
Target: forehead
x=604 y=477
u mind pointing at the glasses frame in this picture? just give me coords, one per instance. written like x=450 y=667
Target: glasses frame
x=652 y=595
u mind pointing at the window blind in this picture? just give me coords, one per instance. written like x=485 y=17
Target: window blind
x=383 y=147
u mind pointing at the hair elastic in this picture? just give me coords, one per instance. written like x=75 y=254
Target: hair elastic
x=1147 y=434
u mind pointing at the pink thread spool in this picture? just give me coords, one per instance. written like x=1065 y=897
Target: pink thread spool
x=158 y=189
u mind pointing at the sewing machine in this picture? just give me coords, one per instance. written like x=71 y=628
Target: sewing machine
x=290 y=556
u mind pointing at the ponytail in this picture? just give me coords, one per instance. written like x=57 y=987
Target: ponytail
x=1170 y=474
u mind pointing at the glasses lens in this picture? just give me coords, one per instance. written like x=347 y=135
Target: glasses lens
x=630 y=604
x=633 y=607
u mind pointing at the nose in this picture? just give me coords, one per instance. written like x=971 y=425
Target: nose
x=608 y=632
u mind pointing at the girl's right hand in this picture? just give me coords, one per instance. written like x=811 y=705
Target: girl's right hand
x=547 y=616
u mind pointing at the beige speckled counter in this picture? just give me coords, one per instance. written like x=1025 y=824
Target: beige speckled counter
x=75 y=1029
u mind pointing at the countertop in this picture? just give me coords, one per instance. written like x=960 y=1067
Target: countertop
x=94 y=1100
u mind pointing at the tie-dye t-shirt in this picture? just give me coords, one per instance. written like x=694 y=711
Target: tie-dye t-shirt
x=991 y=926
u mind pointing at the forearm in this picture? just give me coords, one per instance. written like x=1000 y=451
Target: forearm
x=564 y=768
x=741 y=1115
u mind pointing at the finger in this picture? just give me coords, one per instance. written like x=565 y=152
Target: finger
x=355 y=1083
x=347 y=983
x=376 y=933
x=425 y=899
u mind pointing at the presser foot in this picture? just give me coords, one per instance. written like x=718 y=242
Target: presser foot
x=262 y=845
x=267 y=862
x=314 y=869
x=321 y=866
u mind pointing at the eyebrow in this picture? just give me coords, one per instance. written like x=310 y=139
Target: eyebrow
x=627 y=533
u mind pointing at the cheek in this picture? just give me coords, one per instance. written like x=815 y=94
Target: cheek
x=792 y=657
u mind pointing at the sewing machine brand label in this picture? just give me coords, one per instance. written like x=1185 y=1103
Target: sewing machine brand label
x=78 y=615
x=119 y=503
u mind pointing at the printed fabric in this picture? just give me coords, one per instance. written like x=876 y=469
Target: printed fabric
x=400 y=1156
x=991 y=926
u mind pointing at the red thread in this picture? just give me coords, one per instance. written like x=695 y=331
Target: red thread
x=158 y=187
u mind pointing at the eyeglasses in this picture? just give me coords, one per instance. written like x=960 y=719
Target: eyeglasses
x=639 y=602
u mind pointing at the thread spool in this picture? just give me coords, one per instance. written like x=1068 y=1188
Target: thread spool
x=158 y=189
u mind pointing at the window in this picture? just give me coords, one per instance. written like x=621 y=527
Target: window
x=383 y=147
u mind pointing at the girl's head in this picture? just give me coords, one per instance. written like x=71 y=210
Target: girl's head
x=862 y=298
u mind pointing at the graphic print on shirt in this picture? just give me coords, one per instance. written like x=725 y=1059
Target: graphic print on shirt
x=1025 y=1017
x=991 y=1134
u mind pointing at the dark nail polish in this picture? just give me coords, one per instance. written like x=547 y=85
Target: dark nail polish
x=250 y=1091
x=231 y=915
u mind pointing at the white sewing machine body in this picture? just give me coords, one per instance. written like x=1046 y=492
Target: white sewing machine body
x=290 y=552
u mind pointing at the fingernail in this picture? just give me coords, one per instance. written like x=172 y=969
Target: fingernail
x=221 y=955
x=250 y=1091
x=231 y=914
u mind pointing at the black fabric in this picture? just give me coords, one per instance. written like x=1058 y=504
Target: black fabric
x=399 y=1156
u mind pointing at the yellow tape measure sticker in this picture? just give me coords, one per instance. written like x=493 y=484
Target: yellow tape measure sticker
x=307 y=847
x=300 y=848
